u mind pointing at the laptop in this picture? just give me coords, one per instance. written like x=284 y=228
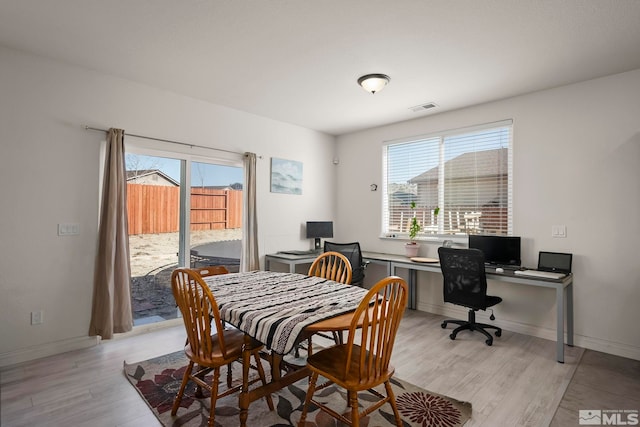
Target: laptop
x=556 y=262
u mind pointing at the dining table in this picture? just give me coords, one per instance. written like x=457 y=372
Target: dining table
x=281 y=310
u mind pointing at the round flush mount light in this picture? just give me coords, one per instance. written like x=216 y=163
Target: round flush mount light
x=373 y=82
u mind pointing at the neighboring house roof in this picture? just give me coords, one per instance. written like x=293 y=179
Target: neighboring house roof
x=234 y=186
x=137 y=174
x=466 y=165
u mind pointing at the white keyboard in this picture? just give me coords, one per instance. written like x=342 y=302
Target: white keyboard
x=536 y=273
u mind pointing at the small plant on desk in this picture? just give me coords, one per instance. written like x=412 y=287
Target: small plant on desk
x=411 y=248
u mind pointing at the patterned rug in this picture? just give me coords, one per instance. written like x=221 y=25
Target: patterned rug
x=158 y=380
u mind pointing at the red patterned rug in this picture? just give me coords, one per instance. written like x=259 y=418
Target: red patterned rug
x=157 y=380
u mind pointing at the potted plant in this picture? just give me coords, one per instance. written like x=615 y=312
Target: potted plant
x=412 y=247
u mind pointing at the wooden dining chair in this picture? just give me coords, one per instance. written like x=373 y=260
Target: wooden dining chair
x=209 y=350
x=333 y=266
x=363 y=362
x=212 y=270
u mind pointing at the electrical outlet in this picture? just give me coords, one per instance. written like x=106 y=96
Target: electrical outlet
x=37 y=317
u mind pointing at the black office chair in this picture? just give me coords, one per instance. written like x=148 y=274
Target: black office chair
x=354 y=254
x=465 y=283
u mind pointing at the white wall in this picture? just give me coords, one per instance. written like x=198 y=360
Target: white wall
x=577 y=163
x=49 y=174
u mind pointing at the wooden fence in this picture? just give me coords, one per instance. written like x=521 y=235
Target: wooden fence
x=156 y=209
x=489 y=220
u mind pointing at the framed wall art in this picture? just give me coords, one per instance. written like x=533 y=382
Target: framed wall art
x=286 y=176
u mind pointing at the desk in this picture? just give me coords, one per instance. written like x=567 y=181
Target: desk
x=280 y=310
x=563 y=287
x=289 y=259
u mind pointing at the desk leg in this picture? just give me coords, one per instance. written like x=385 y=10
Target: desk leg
x=569 y=297
x=413 y=278
x=560 y=324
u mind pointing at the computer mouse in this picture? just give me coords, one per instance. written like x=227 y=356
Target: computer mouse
x=499 y=270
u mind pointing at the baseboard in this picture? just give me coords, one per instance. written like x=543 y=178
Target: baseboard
x=48 y=349
x=596 y=344
x=610 y=347
x=150 y=327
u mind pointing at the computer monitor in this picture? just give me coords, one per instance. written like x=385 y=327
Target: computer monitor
x=319 y=229
x=499 y=250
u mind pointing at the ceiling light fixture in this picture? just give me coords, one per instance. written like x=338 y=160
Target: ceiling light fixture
x=373 y=82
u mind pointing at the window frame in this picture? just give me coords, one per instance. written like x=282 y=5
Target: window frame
x=441 y=136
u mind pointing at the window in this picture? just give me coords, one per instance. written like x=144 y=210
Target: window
x=459 y=180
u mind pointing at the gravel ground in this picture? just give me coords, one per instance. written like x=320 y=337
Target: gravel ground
x=153 y=258
x=152 y=251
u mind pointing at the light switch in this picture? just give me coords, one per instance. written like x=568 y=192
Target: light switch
x=37 y=317
x=559 y=231
x=70 y=229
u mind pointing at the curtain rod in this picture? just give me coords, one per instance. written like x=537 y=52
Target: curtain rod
x=167 y=140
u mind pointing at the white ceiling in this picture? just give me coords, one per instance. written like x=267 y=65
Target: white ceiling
x=298 y=61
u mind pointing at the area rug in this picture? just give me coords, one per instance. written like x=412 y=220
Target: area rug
x=158 y=380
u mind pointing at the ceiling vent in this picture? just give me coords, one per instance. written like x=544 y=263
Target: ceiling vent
x=423 y=107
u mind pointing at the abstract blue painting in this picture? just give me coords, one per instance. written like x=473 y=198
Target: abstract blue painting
x=286 y=176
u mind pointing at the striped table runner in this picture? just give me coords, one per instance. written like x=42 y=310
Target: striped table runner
x=275 y=307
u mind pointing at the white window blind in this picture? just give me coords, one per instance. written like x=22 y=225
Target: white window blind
x=460 y=181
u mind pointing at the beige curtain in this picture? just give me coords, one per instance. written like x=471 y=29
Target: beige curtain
x=249 y=259
x=111 y=311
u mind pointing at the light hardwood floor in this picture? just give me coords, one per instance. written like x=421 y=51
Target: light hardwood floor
x=516 y=382
x=602 y=381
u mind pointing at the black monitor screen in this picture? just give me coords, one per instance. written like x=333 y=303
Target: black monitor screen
x=502 y=250
x=319 y=229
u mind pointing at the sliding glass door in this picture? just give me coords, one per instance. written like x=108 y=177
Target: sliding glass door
x=215 y=215
x=181 y=212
